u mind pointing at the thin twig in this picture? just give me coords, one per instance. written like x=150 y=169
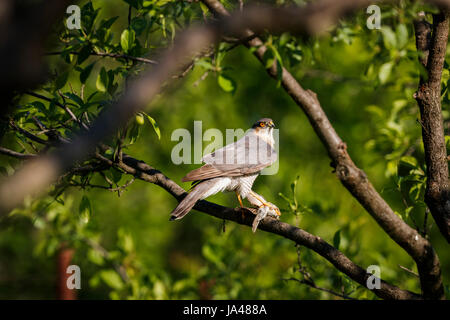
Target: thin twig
x=15 y=154
x=312 y=285
x=409 y=270
x=111 y=55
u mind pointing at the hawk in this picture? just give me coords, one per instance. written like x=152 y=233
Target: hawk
x=234 y=168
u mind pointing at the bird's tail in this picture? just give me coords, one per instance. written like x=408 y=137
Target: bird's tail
x=191 y=199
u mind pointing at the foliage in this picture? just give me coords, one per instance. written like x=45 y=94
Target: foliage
x=126 y=248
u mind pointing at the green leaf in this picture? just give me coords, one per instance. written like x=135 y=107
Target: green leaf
x=277 y=55
x=205 y=64
x=226 y=83
x=127 y=40
x=61 y=80
x=279 y=73
x=376 y=111
x=402 y=35
x=385 y=72
x=106 y=24
x=391 y=168
x=408 y=211
x=88 y=15
x=84 y=53
x=415 y=193
x=125 y=240
x=116 y=175
x=140 y=119
x=133 y=133
x=445 y=76
x=284 y=38
x=138 y=25
x=268 y=59
x=112 y=87
x=95 y=257
x=102 y=80
x=337 y=239
x=74 y=98
x=159 y=290
x=85 y=209
x=154 y=125
x=409 y=162
x=84 y=75
x=204 y=8
x=389 y=37
x=112 y=279
x=405 y=165
x=40 y=106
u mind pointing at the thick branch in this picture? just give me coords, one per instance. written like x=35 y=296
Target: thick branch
x=437 y=195
x=144 y=172
x=353 y=178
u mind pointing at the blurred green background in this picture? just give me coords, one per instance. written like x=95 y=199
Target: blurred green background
x=364 y=80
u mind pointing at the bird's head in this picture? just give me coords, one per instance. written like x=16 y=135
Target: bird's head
x=264 y=124
x=264 y=128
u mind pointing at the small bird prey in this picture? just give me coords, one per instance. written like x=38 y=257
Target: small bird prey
x=234 y=168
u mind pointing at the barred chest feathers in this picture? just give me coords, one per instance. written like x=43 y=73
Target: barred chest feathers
x=242 y=185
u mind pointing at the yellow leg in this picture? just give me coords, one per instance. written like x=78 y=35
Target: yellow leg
x=239 y=198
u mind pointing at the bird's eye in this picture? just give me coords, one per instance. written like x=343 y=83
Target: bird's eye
x=262 y=124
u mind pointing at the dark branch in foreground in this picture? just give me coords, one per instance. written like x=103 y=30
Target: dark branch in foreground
x=24 y=28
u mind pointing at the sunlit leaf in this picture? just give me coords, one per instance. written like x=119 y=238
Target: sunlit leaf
x=127 y=40
x=226 y=83
x=385 y=72
x=154 y=125
x=85 y=209
x=102 y=80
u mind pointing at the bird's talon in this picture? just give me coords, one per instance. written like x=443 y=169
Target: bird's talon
x=273 y=209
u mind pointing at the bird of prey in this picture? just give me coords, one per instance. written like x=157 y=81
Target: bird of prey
x=234 y=168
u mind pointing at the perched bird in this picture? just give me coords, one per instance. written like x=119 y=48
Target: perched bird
x=233 y=168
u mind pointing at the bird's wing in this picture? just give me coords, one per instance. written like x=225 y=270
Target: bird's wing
x=246 y=156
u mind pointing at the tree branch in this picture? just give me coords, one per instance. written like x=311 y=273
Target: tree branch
x=428 y=96
x=353 y=178
x=15 y=154
x=110 y=55
x=145 y=172
x=313 y=285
